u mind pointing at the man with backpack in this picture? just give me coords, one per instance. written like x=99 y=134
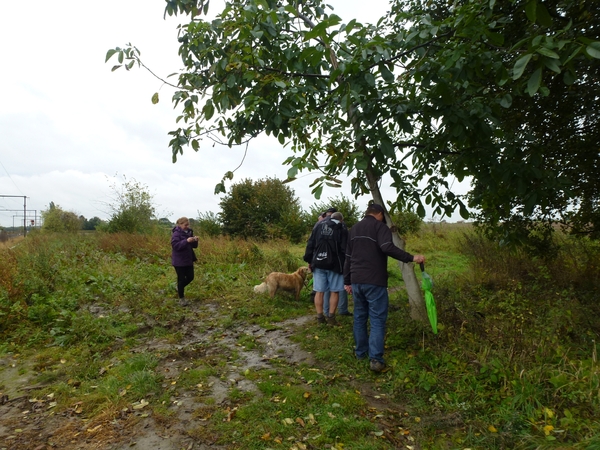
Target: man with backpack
x=325 y=252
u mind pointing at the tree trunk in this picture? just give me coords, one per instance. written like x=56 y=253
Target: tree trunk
x=418 y=310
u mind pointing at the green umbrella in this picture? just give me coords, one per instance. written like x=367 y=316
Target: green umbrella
x=427 y=284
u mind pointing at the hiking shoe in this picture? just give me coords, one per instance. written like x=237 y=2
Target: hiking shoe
x=377 y=366
x=183 y=302
x=321 y=319
x=331 y=321
x=347 y=313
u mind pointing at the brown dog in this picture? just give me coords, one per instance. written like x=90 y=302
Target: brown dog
x=291 y=282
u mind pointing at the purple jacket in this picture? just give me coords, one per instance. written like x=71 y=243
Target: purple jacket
x=183 y=253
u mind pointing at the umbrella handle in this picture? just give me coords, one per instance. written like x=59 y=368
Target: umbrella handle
x=422 y=266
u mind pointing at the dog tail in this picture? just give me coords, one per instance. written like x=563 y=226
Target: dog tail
x=261 y=288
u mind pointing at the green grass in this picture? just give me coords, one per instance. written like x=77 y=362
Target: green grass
x=94 y=320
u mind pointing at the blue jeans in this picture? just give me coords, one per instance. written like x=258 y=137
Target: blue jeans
x=342 y=307
x=370 y=303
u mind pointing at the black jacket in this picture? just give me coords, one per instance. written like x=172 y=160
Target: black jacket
x=328 y=229
x=369 y=245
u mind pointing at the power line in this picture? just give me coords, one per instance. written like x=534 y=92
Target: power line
x=10 y=178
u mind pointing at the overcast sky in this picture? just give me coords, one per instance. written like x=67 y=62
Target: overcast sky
x=70 y=128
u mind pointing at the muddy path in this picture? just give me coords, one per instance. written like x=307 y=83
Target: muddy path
x=30 y=423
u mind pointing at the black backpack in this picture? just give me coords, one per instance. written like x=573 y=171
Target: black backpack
x=324 y=254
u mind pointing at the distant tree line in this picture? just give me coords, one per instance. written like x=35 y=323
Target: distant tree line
x=262 y=209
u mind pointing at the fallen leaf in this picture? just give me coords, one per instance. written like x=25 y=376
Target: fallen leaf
x=548 y=429
x=142 y=404
x=266 y=436
x=300 y=421
x=492 y=429
x=306 y=395
x=287 y=421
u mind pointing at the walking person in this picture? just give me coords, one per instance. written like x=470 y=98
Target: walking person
x=365 y=277
x=183 y=243
x=325 y=252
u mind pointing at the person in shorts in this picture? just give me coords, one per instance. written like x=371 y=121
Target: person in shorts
x=325 y=252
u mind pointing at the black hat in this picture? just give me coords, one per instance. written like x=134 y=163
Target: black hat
x=331 y=210
x=376 y=207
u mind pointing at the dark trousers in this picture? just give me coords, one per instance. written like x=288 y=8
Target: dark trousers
x=185 y=275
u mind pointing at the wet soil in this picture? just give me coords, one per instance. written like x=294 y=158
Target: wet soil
x=29 y=423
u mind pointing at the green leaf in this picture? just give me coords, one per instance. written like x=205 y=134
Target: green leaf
x=530 y=203
x=220 y=189
x=530 y=10
x=208 y=110
x=534 y=82
x=109 y=54
x=386 y=74
x=542 y=16
x=520 y=66
x=361 y=163
x=155 y=98
x=547 y=52
x=506 y=101
x=593 y=50
x=552 y=64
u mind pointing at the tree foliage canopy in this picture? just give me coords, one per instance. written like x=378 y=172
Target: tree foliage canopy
x=503 y=92
x=132 y=209
x=57 y=220
x=262 y=209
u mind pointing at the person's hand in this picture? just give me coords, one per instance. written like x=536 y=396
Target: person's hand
x=419 y=259
x=348 y=288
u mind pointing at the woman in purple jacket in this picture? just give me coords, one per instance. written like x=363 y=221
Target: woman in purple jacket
x=183 y=242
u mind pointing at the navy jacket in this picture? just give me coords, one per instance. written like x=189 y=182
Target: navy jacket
x=369 y=245
x=183 y=254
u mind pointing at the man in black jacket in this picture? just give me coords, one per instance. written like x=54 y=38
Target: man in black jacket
x=365 y=276
x=325 y=252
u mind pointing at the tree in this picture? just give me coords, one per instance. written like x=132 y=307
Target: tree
x=429 y=92
x=346 y=206
x=209 y=224
x=132 y=210
x=262 y=209
x=90 y=224
x=57 y=220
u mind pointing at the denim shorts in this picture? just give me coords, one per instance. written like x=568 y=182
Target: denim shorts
x=327 y=281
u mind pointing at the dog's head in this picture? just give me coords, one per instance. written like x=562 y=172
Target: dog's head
x=303 y=271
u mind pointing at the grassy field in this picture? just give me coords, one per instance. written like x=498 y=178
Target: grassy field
x=97 y=353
